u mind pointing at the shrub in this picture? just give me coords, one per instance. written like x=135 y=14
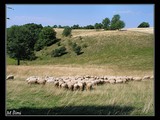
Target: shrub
x=77 y=49
x=143 y=25
x=67 y=31
x=58 y=52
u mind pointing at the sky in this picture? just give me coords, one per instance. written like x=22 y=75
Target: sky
x=81 y=14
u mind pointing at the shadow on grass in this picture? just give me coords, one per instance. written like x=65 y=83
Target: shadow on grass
x=77 y=110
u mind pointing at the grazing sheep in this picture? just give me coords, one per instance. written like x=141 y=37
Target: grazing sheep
x=106 y=81
x=112 y=81
x=81 y=86
x=64 y=85
x=60 y=83
x=70 y=85
x=75 y=86
x=137 y=78
x=146 y=78
x=41 y=81
x=119 y=81
x=89 y=86
x=56 y=83
x=31 y=78
x=152 y=77
x=32 y=81
x=10 y=77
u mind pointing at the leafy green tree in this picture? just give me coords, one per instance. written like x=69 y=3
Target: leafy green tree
x=106 y=23
x=47 y=37
x=75 y=26
x=143 y=25
x=98 y=26
x=55 y=26
x=89 y=27
x=34 y=29
x=67 y=31
x=18 y=43
x=116 y=23
x=120 y=24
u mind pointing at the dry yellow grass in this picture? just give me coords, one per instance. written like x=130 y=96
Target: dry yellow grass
x=66 y=70
x=144 y=30
x=93 y=32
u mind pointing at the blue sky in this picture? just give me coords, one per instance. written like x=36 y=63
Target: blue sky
x=82 y=14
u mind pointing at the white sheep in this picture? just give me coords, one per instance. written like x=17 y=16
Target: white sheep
x=89 y=86
x=64 y=85
x=119 y=80
x=10 y=77
x=81 y=86
x=137 y=78
x=112 y=81
x=56 y=83
x=41 y=81
x=70 y=85
x=146 y=78
x=152 y=77
x=32 y=81
x=75 y=86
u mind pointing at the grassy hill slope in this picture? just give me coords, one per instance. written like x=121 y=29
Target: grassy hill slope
x=126 y=49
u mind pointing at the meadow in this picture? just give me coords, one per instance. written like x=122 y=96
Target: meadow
x=118 y=53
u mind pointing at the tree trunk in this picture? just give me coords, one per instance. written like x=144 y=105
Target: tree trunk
x=18 y=62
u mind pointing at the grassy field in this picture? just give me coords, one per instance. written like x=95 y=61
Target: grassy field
x=134 y=98
x=118 y=53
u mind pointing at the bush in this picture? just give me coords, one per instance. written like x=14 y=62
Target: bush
x=143 y=25
x=58 y=52
x=77 y=49
x=67 y=31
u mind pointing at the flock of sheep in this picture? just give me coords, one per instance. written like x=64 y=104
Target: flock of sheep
x=83 y=82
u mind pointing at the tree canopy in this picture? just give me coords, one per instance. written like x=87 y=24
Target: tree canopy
x=18 y=45
x=47 y=37
x=116 y=23
x=143 y=25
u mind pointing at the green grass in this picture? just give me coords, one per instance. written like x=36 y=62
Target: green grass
x=134 y=98
x=107 y=53
x=131 y=50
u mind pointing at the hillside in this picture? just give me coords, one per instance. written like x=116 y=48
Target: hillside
x=126 y=49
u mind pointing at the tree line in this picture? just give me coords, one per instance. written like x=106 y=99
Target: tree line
x=114 y=24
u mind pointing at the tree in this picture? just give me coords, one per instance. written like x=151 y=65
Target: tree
x=98 y=26
x=47 y=37
x=143 y=25
x=75 y=26
x=18 y=43
x=116 y=23
x=67 y=31
x=106 y=23
x=120 y=24
x=34 y=29
x=55 y=26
